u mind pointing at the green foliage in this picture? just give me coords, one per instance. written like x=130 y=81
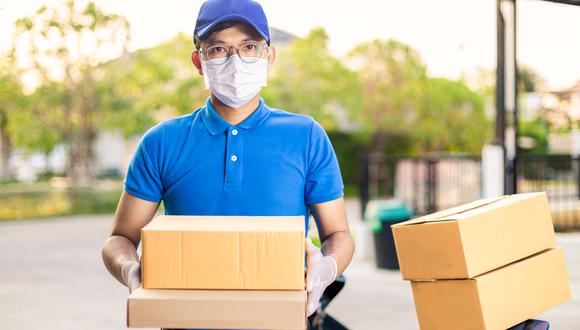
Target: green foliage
x=59 y=47
x=150 y=85
x=528 y=78
x=21 y=202
x=450 y=118
x=93 y=201
x=392 y=76
x=307 y=79
x=38 y=126
x=12 y=99
x=382 y=88
x=482 y=81
x=351 y=190
x=346 y=147
x=538 y=131
x=12 y=103
x=408 y=112
x=386 y=91
x=30 y=204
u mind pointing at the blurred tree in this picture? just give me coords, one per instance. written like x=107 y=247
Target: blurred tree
x=12 y=102
x=187 y=90
x=151 y=85
x=537 y=130
x=393 y=77
x=38 y=126
x=482 y=81
x=307 y=79
x=528 y=79
x=449 y=117
x=59 y=48
x=406 y=111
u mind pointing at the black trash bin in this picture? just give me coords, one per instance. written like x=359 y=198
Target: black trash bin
x=382 y=214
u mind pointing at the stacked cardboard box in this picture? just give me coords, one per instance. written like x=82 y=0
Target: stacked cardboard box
x=489 y=264
x=221 y=272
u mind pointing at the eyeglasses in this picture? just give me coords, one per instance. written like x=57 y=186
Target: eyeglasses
x=248 y=52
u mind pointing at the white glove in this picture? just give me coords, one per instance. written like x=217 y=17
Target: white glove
x=131 y=274
x=321 y=272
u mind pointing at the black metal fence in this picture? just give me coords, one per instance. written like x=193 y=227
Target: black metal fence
x=559 y=177
x=428 y=184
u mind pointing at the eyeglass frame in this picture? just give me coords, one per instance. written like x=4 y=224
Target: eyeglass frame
x=203 y=51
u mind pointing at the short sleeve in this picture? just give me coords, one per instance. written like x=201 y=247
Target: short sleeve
x=323 y=178
x=143 y=179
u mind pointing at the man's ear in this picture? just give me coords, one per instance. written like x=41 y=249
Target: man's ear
x=196 y=61
x=271 y=55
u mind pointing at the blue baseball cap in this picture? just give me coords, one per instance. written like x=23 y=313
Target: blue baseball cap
x=213 y=12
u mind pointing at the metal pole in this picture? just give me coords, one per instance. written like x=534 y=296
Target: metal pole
x=363 y=157
x=507 y=90
x=499 y=83
x=500 y=79
x=515 y=142
x=432 y=185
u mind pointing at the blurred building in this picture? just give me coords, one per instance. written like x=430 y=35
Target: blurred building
x=280 y=39
x=561 y=110
x=561 y=107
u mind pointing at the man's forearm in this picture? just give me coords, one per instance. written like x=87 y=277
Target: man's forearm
x=340 y=246
x=116 y=251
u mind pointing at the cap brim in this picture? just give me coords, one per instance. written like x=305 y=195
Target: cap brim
x=234 y=18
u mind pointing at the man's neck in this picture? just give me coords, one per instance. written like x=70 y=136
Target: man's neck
x=235 y=116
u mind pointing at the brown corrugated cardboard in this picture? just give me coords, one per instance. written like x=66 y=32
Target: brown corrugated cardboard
x=216 y=309
x=219 y=252
x=495 y=300
x=474 y=238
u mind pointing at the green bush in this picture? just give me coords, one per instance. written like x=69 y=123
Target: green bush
x=346 y=146
x=19 y=201
x=29 y=204
x=94 y=201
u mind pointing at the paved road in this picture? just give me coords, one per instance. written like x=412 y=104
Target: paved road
x=52 y=277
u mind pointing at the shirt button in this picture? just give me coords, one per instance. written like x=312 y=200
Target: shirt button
x=235 y=132
x=234 y=158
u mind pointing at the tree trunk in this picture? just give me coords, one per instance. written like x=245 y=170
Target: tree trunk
x=80 y=152
x=379 y=141
x=79 y=164
x=6 y=148
x=47 y=167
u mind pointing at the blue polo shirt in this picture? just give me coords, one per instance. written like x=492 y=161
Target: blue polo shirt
x=273 y=163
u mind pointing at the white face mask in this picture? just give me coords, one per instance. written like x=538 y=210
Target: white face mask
x=235 y=82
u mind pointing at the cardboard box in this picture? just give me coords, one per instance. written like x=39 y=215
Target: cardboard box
x=216 y=309
x=219 y=252
x=495 y=300
x=474 y=238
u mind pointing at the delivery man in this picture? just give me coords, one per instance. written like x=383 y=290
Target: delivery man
x=234 y=155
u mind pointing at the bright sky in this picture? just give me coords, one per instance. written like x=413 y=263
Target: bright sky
x=453 y=36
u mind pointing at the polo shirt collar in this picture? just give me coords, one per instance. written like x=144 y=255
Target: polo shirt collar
x=215 y=124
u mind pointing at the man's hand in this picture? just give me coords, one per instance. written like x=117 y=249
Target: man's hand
x=131 y=273
x=321 y=272
x=119 y=250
